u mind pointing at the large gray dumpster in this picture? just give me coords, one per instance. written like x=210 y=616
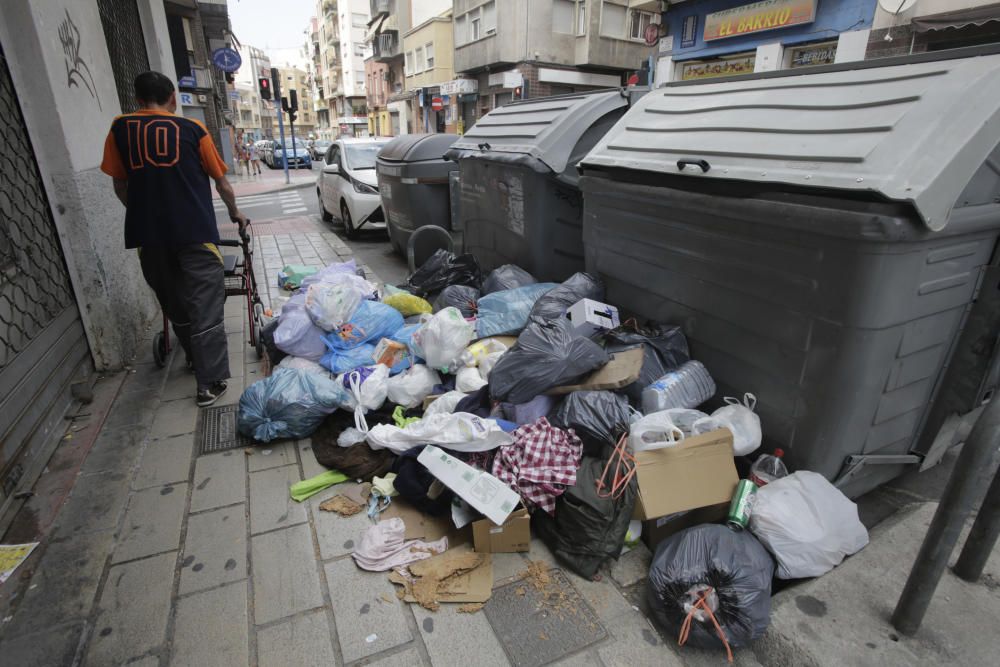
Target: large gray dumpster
x=520 y=200
x=821 y=239
x=413 y=183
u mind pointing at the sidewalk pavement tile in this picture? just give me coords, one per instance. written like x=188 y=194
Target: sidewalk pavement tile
x=134 y=608
x=631 y=567
x=152 y=522
x=64 y=583
x=164 y=462
x=115 y=450
x=285 y=579
x=174 y=418
x=586 y=659
x=636 y=642
x=407 y=658
x=135 y=408
x=211 y=628
x=95 y=503
x=271 y=456
x=361 y=610
x=219 y=479
x=508 y=565
x=302 y=640
x=148 y=661
x=457 y=639
x=310 y=466
x=215 y=549
x=271 y=506
x=51 y=646
x=180 y=384
x=337 y=535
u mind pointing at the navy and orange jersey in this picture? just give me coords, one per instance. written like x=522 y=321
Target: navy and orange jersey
x=167 y=161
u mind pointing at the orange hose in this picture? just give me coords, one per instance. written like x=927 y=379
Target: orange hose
x=686 y=626
x=624 y=471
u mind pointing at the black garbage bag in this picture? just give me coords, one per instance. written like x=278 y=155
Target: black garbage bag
x=266 y=334
x=462 y=297
x=736 y=567
x=595 y=417
x=444 y=269
x=507 y=276
x=358 y=461
x=554 y=303
x=586 y=529
x=664 y=349
x=413 y=482
x=546 y=355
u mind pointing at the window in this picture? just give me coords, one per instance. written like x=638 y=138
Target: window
x=359 y=20
x=460 y=28
x=562 y=16
x=639 y=22
x=475 y=28
x=429 y=50
x=420 y=64
x=409 y=63
x=581 y=17
x=359 y=78
x=359 y=50
x=476 y=23
x=613 y=17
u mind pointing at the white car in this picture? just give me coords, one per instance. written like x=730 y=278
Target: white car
x=347 y=184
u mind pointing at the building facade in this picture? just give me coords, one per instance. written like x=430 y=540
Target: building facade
x=933 y=25
x=256 y=65
x=428 y=64
x=390 y=20
x=299 y=80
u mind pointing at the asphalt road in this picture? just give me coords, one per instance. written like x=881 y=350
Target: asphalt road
x=372 y=247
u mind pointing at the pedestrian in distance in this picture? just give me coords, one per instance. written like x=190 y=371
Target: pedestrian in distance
x=254 y=158
x=244 y=159
x=161 y=164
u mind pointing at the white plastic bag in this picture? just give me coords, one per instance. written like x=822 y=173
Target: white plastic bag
x=807 y=523
x=330 y=304
x=740 y=419
x=411 y=387
x=654 y=431
x=483 y=355
x=444 y=404
x=442 y=338
x=301 y=364
x=297 y=335
x=366 y=390
x=458 y=431
x=468 y=379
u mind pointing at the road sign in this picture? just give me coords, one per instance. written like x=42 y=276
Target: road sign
x=437 y=103
x=227 y=59
x=187 y=82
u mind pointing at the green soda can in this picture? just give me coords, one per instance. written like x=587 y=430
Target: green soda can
x=741 y=505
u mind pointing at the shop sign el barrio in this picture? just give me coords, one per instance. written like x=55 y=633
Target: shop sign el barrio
x=757 y=17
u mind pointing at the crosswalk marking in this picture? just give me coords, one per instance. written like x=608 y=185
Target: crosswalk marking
x=289 y=201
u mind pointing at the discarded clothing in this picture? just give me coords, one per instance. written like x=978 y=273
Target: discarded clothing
x=383 y=547
x=359 y=461
x=539 y=465
x=414 y=484
x=308 y=488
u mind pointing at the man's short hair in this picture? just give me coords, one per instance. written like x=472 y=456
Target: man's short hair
x=153 y=88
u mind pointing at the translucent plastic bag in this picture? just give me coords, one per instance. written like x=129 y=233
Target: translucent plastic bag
x=458 y=431
x=442 y=338
x=341 y=361
x=740 y=419
x=484 y=355
x=330 y=304
x=444 y=404
x=289 y=404
x=686 y=387
x=330 y=272
x=468 y=379
x=407 y=304
x=807 y=523
x=409 y=389
x=298 y=336
x=508 y=276
x=366 y=389
x=506 y=312
x=462 y=297
x=654 y=431
x=371 y=321
x=300 y=364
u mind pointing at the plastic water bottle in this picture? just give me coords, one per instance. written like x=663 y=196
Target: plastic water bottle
x=768 y=468
x=686 y=387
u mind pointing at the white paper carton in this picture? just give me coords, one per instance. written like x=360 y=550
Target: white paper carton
x=589 y=317
x=480 y=489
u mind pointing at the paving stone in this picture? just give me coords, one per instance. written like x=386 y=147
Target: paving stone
x=272 y=456
x=52 y=646
x=353 y=592
x=211 y=628
x=271 y=506
x=636 y=642
x=285 y=580
x=507 y=566
x=135 y=408
x=148 y=661
x=64 y=583
x=164 y=462
x=115 y=450
x=219 y=479
x=174 y=418
x=180 y=384
x=152 y=522
x=215 y=549
x=337 y=535
x=457 y=639
x=310 y=466
x=631 y=567
x=302 y=640
x=95 y=503
x=407 y=658
x=584 y=659
x=134 y=608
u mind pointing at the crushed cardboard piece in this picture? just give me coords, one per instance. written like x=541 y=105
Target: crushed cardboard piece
x=537 y=574
x=471 y=608
x=457 y=575
x=342 y=505
x=622 y=370
x=480 y=489
x=385 y=598
x=419 y=526
x=513 y=536
x=553 y=596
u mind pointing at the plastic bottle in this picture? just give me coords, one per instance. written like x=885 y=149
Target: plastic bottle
x=686 y=387
x=768 y=468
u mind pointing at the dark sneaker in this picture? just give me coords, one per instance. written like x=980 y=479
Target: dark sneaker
x=207 y=397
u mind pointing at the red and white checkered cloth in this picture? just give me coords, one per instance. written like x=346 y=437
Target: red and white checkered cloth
x=540 y=464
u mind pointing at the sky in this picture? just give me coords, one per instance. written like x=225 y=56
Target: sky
x=273 y=25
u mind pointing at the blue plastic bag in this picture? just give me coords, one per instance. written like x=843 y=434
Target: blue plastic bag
x=506 y=312
x=289 y=404
x=371 y=321
x=341 y=361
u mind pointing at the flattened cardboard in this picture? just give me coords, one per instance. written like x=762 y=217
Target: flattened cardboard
x=478 y=488
x=698 y=472
x=512 y=537
x=420 y=526
x=473 y=586
x=622 y=370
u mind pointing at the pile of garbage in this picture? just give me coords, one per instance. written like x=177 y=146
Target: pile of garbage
x=472 y=410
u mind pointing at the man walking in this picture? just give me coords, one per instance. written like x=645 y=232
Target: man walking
x=161 y=165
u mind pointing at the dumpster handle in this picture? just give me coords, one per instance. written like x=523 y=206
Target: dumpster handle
x=484 y=147
x=683 y=162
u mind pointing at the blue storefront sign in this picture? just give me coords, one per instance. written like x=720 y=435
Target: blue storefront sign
x=227 y=59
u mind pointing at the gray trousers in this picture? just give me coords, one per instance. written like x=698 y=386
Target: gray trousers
x=189 y=283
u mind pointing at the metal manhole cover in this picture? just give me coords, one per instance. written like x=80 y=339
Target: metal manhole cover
x=216 y=430
x=537 y=626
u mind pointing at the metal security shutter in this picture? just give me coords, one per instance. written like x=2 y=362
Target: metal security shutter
x=42 y=343
x=126 y=46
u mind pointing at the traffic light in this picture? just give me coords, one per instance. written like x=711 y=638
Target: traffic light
x=517 y=93
x=293 y=100
x=292 y=115
x=264 y=84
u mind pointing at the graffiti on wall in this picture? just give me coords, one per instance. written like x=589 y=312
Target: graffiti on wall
x=77 y=71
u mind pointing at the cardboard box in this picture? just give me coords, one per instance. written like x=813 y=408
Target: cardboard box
x=390 y=352
x=696 y=473
x=621 y=371
x=513 y=536
x=480 y=489
x=655 y=531
x=589 y=317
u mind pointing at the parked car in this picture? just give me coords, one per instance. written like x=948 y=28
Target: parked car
x=319 y=149
x=298 y=157
x=348 y=184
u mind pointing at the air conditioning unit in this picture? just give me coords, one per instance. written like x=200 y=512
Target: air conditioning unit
x=203 y=98
x=491 y=31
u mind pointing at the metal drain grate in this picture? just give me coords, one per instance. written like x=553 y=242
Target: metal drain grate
x=536 y=626
x=216 y=430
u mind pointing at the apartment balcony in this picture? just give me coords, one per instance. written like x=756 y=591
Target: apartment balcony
x=386 y=46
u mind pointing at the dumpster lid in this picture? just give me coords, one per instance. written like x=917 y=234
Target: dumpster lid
x=912 y=132
x=417 y=147
x=546 y=128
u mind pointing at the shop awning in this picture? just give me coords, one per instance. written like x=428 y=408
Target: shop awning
x=961 y=18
